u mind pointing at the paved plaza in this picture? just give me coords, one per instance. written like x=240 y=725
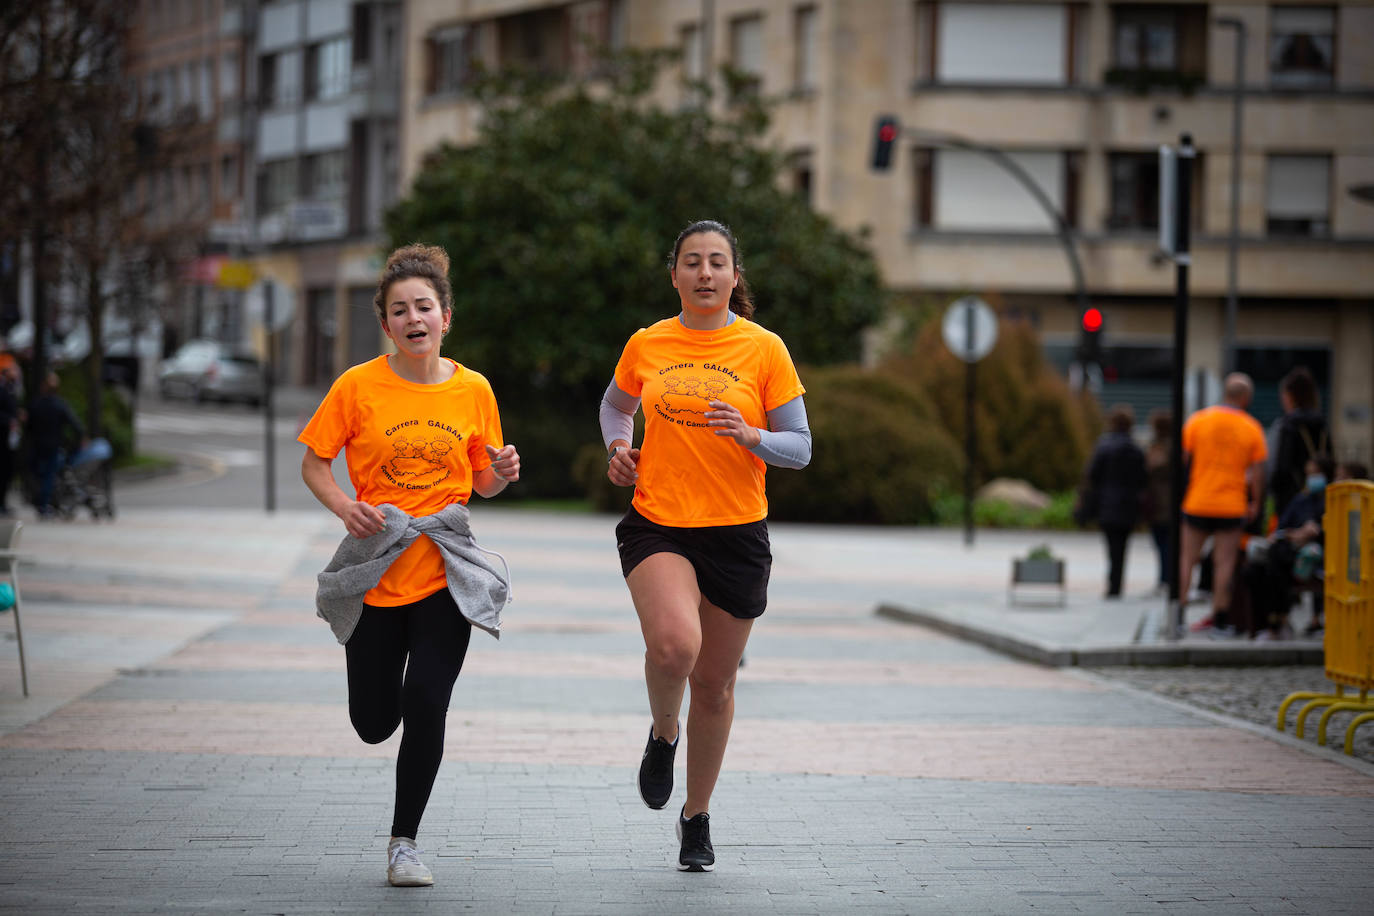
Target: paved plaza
x=187 y=746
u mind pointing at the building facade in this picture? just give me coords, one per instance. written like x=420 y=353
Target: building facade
x=1078 y=97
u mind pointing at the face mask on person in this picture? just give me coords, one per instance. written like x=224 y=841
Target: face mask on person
x=1316 y=483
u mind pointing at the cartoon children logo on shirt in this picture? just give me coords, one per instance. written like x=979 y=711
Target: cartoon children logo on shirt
x=419 y=462
x=690 y=393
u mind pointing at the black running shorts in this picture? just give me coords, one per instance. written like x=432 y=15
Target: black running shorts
x=732 y=562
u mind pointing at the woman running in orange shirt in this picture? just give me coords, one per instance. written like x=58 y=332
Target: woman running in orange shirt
x=721 y=401
x=421 y=434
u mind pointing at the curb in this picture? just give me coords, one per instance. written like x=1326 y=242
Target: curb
x=1173 y=654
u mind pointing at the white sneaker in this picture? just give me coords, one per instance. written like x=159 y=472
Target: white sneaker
x=404 y=868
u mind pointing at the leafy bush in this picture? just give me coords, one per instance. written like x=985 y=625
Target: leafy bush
x=116 y=413
x=877 y=454
x=1027 y=424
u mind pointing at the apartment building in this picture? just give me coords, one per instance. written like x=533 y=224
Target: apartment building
x=1078 y=96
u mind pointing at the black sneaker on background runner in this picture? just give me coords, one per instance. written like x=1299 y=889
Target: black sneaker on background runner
x=656 y=770
x=695 y=834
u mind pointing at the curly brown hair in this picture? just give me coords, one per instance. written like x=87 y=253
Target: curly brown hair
x=420 y=262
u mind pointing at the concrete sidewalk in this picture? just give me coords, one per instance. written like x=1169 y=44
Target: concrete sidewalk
x=188 y=748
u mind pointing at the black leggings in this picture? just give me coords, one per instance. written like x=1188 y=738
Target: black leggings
x=384 y=690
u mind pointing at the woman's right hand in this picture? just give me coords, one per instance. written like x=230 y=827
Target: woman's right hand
x=362 y=519
x=622 y=468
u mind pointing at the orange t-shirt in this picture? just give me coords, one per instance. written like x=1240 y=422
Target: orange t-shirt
x=688 y=476
x=1222 y=443
x=414 y=446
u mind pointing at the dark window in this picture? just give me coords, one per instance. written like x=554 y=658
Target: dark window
x=1134 y=191
x=1164 y=39
x=924 y=160
x=362 y=33
x=1302 y=47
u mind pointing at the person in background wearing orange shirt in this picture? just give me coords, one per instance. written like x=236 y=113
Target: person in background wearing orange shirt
x=421 y=434
x=722 y=401
x=1225 y=452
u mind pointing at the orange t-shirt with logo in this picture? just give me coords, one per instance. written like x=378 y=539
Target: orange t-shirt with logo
x=688 y=476
x=414 y=446
x=1222 y=443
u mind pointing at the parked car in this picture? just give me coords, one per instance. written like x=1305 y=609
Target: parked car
x=207 y=370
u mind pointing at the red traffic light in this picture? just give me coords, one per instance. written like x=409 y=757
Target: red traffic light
x=887 y=133
x=1092 y=321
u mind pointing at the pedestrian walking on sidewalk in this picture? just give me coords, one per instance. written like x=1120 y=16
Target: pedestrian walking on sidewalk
x=422 y=434
x=722 y=401
x=1225 y=451
x=1116 y=477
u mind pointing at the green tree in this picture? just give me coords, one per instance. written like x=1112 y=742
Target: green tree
x=558 y=222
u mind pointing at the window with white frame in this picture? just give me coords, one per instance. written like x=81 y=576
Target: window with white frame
x=1302 y=47
x=999 y=43
x=279 y=78
x=1297 y=196
x=806 y=40
x=746 y=51
x=327 y=69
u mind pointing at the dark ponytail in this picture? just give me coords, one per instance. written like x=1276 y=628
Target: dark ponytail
x=741 y=299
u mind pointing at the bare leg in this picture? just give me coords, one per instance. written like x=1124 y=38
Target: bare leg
x=664 y=589
x=1190 y=549
x=713 y=702
x=1225 y=549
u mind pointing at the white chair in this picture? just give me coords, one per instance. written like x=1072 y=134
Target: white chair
x=9 y=568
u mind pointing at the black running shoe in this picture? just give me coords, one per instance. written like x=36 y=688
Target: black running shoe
x=656 y=770
x=695 y=834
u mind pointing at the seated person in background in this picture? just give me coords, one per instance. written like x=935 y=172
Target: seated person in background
x=1352 y=470
x=1292 y=556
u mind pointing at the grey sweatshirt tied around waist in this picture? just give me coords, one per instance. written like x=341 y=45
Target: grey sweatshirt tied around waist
x=478 y=587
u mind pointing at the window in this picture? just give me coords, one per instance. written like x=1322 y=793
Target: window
x=746 y=52
x=967 y=190
x=1301 y=46
x=362 y=32
x=693 y=67
x=327 y=69
x=279 y=78
x=996 y=43
x=206 y=99
x=1135 y=190
x=324 y=176
x=806 y=34
x=229 y=75
x=801 y=173
x=228 y=178
x=1164 y=39
x=276 y=185
x=450 y=59
x=1298 y=196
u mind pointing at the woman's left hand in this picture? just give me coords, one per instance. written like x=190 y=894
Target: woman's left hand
x=505 y=462
x=728 y=421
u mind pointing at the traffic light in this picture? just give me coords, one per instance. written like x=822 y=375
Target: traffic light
x=1090 y=337
x=884 y=135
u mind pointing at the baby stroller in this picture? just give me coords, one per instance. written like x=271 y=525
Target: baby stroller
x=86 y=479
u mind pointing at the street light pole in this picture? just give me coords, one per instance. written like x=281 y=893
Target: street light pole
x=1228 y=340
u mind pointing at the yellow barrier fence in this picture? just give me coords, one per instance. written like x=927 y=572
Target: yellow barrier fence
x=1348 y=643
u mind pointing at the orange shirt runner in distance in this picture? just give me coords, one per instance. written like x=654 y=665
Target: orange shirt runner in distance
x=1222 y=442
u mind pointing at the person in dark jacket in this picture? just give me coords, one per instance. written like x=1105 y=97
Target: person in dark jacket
x=50 y=420
x=1116 y=481
x=1301 y=435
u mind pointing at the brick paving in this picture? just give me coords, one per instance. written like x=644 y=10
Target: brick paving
x=188 y=747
